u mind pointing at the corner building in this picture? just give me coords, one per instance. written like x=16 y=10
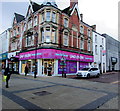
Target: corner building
x=51 y=34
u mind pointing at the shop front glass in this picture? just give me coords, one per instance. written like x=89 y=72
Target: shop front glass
x=46 y=63
x=30 y=64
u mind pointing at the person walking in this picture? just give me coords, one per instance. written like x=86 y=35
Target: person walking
x=49 y=70
x=26 y=70
x=8 y=74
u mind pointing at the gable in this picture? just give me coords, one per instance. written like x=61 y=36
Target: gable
x=29 y=12
x=14 y=21
x=75 y=10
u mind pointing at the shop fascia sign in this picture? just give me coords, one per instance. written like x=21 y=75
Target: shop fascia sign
x=56 y=54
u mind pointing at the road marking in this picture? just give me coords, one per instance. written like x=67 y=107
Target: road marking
x=115 y=82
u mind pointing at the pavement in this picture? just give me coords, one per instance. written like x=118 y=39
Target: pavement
x=58 y=93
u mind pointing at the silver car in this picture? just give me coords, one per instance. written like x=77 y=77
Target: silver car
x=88 y=72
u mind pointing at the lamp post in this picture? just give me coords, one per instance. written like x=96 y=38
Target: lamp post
x=63 y=65
x=35 y=36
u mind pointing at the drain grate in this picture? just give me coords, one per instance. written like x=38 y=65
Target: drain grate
x=42 y=93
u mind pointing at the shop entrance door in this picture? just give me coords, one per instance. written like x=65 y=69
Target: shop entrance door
x=46 y=63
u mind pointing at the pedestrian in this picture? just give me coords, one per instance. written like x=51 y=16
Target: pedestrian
x=8 y=74
x=49 y=70
x=26 y=70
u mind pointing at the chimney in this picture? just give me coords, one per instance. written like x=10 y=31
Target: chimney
x=81 y=16
x=94 y=27
x=72 y=2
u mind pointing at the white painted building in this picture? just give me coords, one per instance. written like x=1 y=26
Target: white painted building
x=99 y=51
x=4 y=47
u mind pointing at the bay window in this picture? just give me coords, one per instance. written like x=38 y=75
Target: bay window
x=54 y=35
x=88 y=33
x=48 y=34
x=43 y=17
x=81 y=30
x=29 y=40
x=48 y=16
x=29 y=24
x=53 y=17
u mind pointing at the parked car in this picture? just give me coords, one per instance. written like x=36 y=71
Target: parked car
x=88 y=72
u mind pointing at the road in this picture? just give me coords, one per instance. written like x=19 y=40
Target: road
x=58 y=93
x=110 y=77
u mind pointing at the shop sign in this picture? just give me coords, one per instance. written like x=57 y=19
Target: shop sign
x=4 y=56
x=113 y=60
x=55 y=54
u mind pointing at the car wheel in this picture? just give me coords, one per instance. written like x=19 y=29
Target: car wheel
x=88 y=75
x=98 y=75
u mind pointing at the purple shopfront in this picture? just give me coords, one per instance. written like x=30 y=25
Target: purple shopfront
x=73 y=61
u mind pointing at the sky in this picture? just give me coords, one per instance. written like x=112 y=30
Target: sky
x=102 y=13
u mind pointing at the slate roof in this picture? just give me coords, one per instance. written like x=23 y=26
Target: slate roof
x=19 y=17
x=36 y=6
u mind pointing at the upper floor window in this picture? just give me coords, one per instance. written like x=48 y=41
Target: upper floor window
x=96 y=50
x=53 y=17
x=48 y=16
x=29 y=40
x=95 y=38
x=88 y=44
x=54 y=35
x=18 y=29
x=65 y=40
x=14 y=32
x=43 y=17
x=47 y=33
x=102 y=41
x=65 y=22
x=29 y=24
x=13 y=46
x=82 y=43
x=81 y=30
x=35 y=20
x=88 y=33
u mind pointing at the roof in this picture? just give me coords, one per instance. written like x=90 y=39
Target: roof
x=19 y=17
x=36 y=6
x=67 y=10
x=50 y=2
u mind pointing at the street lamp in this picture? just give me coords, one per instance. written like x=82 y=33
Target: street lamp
x=36 y=41
x=63 y=65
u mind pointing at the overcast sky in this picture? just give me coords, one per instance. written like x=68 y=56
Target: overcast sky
x=103 y=13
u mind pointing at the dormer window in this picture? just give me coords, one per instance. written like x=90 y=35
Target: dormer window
x=65 y=22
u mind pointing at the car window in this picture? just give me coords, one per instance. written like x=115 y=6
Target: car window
x=85 y=69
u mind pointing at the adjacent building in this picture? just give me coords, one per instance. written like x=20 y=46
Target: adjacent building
x=99 y=51
x=112 y=54
x=4 y=48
